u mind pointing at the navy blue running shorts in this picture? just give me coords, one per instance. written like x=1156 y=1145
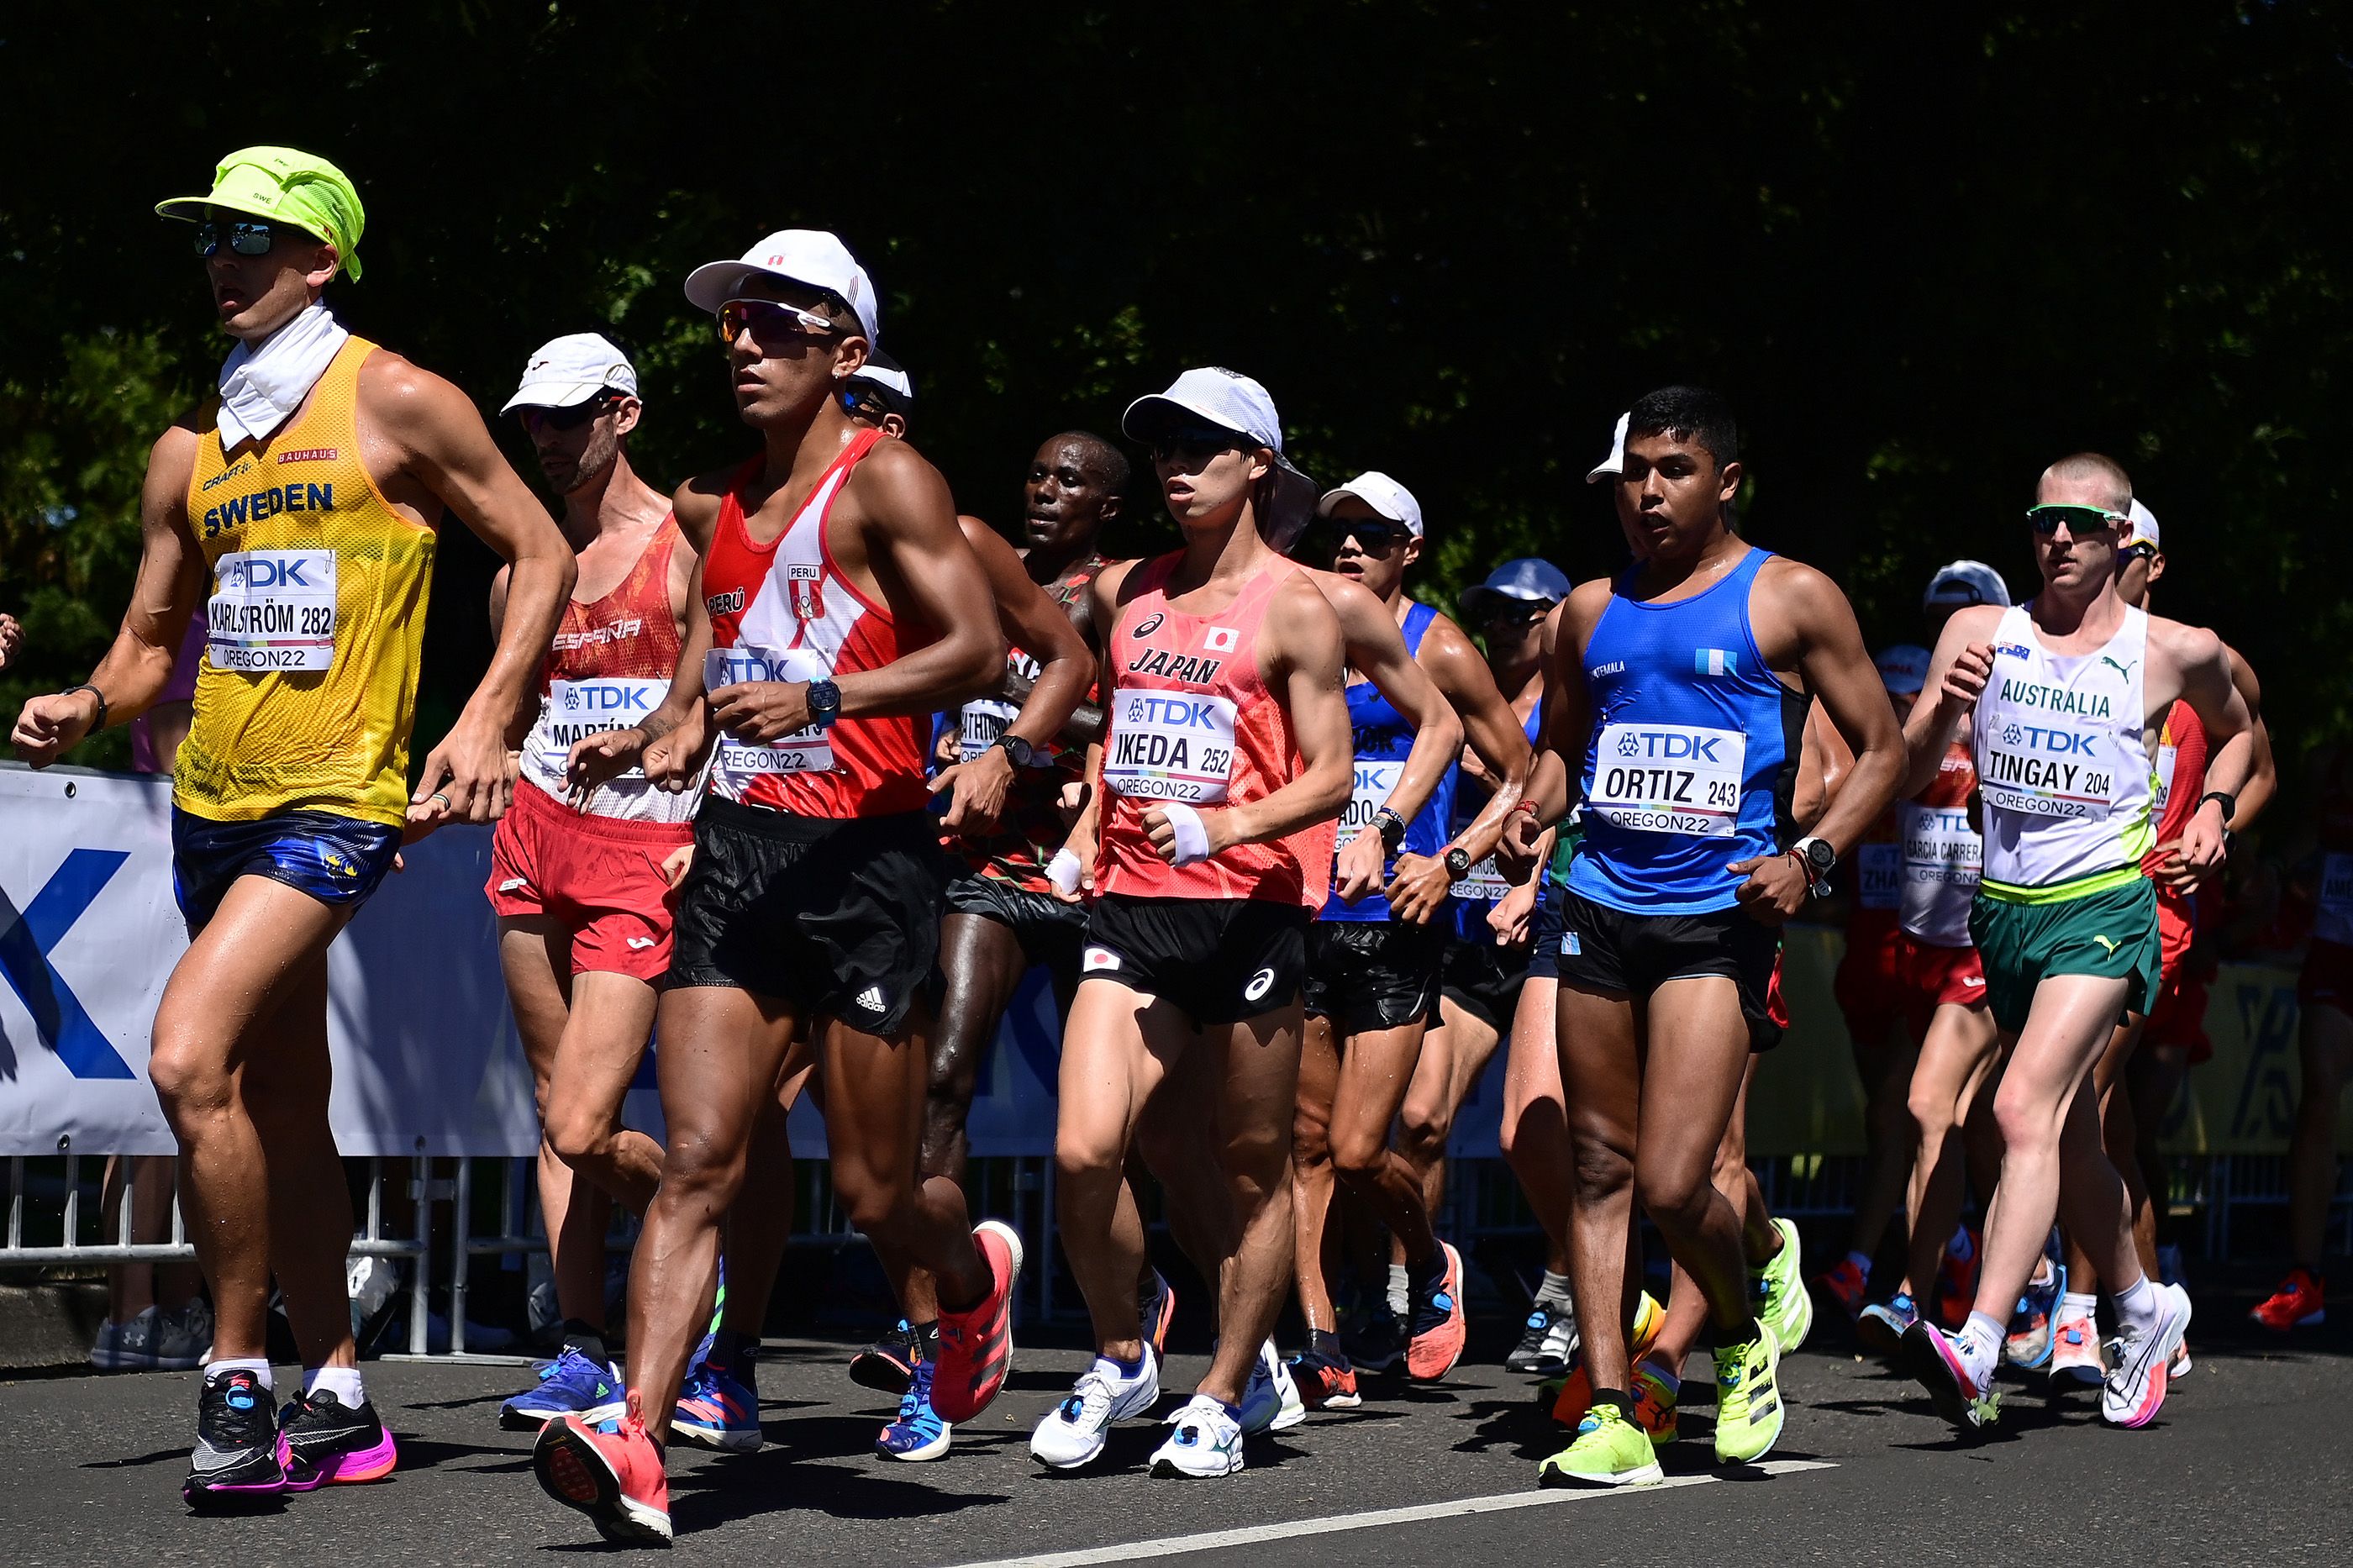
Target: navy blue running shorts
x=336 y=859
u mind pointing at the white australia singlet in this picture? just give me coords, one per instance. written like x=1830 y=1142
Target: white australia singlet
x=2063 y=758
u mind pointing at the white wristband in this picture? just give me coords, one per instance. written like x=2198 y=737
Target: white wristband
x=1192 y=838
x=1062 y=871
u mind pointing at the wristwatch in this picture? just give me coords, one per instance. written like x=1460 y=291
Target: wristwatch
x=1392 y=829
x=1817 y=857
x=1016 y=751
x=1458 y=862
x=824 y=703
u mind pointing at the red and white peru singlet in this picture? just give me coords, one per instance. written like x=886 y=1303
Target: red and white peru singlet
x=1191 y=721
x=610 y=666
x=786 y=611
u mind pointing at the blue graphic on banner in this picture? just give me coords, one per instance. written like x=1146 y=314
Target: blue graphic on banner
x=25 y=947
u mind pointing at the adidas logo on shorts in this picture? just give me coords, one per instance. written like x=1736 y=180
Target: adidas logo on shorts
x=872 y=1000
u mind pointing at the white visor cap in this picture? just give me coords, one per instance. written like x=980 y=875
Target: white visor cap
x=810 y=256
x=1383 y=494
x=572 y=369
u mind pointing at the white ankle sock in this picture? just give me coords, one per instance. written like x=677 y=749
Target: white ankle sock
x=1554 y=1291
x=257 y=1366
x=343 y=1381
x=2136 y=1306
x=1981 y=1346
x=2075 y=1304
x=1398 y=1292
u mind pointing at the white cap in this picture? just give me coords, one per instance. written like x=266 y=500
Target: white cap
x=1225 y=398
x=572 y=369
x=1383 y=494
x=807 y=256
x=1966 y=583
x=1904 y=668
x=890 y=376
x=1610 y=467
x=2144 y=525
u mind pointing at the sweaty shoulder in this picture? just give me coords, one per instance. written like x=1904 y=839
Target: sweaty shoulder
x=1582 y=610
x=2189 y=647
x=1359 y=609
x=696 y=504
x=891 y=479
x=1975 y=623
x=1793 y=584
x=407 y=400
x=1300 y=614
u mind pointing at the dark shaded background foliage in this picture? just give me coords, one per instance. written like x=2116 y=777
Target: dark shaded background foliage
x=1924 y=249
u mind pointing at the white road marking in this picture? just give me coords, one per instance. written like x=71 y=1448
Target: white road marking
x=1335 y=1524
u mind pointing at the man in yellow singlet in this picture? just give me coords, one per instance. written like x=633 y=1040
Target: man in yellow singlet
x=299 y=510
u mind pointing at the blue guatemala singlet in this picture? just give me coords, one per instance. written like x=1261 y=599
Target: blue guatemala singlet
x=1476 y=894
x=1382 y=738
x=1694 y=754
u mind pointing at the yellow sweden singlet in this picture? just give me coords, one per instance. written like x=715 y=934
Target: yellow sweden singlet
x=315 y=615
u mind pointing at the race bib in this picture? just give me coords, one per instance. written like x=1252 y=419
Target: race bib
x=2336 y=886
x=2041 y=769
x=980 y=723
x=1940 y=846
x=1170 y=745
x=579 y=708
x=1879 y=876
x=1482 y=883
x=802 y=752
x=1376 y=780
x=2165 y=757
x=273 y=609
x=1668 y=778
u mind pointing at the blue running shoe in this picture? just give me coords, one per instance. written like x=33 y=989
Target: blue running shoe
x=918 y=1433
x=2031 y=1337
x=571 y=1384
x=719 y=1407
x=1881 y=1325
x=888 y=1365
x=1157 y=1306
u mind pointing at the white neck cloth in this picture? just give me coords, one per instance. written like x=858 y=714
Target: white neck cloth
x=261 y=387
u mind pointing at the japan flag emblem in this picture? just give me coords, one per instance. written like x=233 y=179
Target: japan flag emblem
x=1221 y=639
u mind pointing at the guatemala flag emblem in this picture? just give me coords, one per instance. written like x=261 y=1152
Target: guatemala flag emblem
x=1714 y=661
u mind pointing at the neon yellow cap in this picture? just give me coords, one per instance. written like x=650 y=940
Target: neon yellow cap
x=299 y=188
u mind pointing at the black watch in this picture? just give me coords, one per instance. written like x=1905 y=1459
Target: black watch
x=1016 y=751
x=1458 y=863
x=824 y=703
x=2230 y=803
x=1392 y=829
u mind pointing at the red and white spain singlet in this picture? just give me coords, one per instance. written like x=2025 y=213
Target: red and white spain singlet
x=786 y=611
x=1191 y=721
x=610 y=666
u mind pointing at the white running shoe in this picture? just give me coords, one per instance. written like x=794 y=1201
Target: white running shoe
x=2075 y=1351
x=1206 y=1442
x=2135 y=1390
x=1271 y=1402
x=1071 y=1435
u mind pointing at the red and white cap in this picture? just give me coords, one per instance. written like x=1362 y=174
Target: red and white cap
x=2144 y=526
x=811 y=257
x=1383 y=494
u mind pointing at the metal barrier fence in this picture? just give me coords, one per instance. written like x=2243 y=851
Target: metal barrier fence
x=54 y=1217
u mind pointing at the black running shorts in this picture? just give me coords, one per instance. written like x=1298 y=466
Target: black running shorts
x=840 y=918
x=1049 y=931
x=1603 y=949
x=1373 y=975
x=1221 y=960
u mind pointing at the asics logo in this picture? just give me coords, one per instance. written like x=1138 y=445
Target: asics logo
x=1260 y=984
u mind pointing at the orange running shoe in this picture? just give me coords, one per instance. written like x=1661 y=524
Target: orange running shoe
x=2296 y=1304
x=1847 y=1285
x=1956 y=1283
x=1577 y=1389
x=976 y=1344
x=1325 y=1383
x=1438 y=1325
x=614 y=1477
x=1655 y=1391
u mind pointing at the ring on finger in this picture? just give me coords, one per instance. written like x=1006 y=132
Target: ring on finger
x=447 y=805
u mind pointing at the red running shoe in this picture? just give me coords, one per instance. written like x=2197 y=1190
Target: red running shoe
x=1440 y=1328
x=1956 y=1283
x=1325 y=1383
x=616 y=1477
x=2296 y=1304
x=976 y=1345
x=1847 y=1285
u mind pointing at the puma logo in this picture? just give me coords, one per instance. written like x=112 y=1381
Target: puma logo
x=2124 y=670
x=2107 y=945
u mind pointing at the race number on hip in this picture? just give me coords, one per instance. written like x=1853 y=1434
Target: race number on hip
x=1879 y=876
x=802 y=752
x=1376 y=780
x=1668 y=778
x=1170 y=745
x=2041 y=769
x=273 y=609
x=579 y=708
x=982 y=720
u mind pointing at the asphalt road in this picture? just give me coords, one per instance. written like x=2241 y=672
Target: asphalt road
x=2248 y=1464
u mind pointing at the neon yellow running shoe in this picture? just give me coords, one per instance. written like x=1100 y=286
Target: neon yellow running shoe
x=1779 y=1290
x=1747 y=1399
x=1609 y=1450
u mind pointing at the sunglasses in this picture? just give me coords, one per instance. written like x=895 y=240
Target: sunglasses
x=1515 y=618
x=772 y=325
x=2144 y=551
x=245 y=239
x=2080 y=519
x=1374 y=535
x=1191 y=450
x=567 y=418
